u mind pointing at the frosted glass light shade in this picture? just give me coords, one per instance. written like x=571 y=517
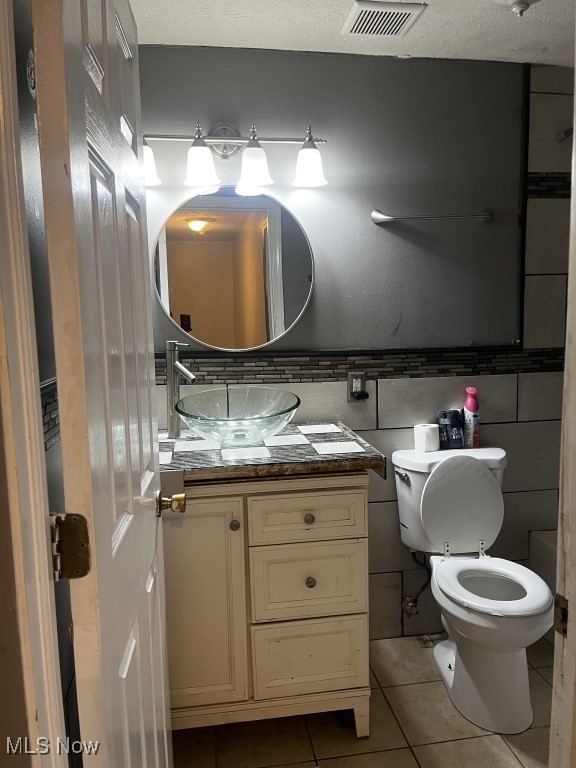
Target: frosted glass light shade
x=309 y=171
x=150 y=175
x=254 y=169
x=200 y=168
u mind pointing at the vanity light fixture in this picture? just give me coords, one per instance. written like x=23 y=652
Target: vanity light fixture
x=224 y=141
x=150 y=176
x=200 y=165
x=200 y=226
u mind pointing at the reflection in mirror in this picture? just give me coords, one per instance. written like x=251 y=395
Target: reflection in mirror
x=234 y=272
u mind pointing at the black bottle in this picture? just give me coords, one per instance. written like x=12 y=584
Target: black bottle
x=450 y=428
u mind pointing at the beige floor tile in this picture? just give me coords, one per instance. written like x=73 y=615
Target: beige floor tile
x=194 y=748
x=426 y=714
x=547 y=673
x=373 y=681
x=483 y=752
x=541 y=695
x=541 y=654
x=281 y=741
x=402 y=661
x=394 y=758
x=531 y=747
x=330 y=739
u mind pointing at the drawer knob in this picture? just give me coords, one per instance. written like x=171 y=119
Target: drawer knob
x=309 y=518
x=310 y=582
x=235 y=525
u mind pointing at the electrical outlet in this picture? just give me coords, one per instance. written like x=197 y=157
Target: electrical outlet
x=357 y=386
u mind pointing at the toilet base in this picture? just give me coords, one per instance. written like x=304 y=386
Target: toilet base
x=488 y=687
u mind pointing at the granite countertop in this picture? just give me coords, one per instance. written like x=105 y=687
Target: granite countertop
x=301 y=449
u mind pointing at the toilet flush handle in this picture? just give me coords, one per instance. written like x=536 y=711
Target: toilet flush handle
x=404 y=476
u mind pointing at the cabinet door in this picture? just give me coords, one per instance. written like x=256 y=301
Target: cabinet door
x=206 y=603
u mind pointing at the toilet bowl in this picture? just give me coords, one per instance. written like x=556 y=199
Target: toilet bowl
x=451 y=506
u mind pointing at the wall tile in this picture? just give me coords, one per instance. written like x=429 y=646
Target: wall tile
x=533 y=450
x=544 y=311
x=326 y=401
x=547 y=235
x=546 y=79
x=523 y=513
x=385 y=605
x=550 y=114
x=386 y=552
x=386 y=441
x=405 y=402
x=540 y=396
x=543 y=556
x=427 y=621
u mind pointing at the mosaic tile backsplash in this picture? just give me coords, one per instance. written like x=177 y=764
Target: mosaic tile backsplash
x=312 y=367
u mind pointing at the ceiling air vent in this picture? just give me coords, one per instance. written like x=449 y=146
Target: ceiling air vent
x=369 y=17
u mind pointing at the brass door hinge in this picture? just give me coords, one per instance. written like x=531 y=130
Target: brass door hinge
x=561 y=614
x=70 y=546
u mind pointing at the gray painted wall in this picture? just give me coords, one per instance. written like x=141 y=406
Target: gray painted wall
x=405 y=136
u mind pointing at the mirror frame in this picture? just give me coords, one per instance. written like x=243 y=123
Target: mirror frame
x=275 y=244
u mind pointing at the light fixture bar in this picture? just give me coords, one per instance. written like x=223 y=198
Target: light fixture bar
x=383 y=218
x=217 y=140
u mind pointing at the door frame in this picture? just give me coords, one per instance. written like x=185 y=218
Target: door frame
x=563 y=720
x=22 y=438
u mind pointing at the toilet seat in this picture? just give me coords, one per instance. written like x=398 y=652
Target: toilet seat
x=537 y=599
x=461 y=506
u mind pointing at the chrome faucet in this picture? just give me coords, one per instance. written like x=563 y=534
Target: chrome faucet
x=173 y=370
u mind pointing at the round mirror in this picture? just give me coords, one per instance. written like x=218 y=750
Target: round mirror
x=235 y=272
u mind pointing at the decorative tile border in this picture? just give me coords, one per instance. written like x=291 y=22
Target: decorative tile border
x=556 y=185
x=50 y=415
x=321 y=367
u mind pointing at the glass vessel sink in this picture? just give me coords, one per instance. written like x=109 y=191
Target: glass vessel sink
x=238 y=416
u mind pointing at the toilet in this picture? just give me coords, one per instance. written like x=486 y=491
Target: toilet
x=451 y=507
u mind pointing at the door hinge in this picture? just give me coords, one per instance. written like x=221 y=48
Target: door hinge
x=70 y=546
x=561 y=614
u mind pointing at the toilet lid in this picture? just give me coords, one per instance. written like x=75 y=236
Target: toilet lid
x=461 y=580
x=462 y=505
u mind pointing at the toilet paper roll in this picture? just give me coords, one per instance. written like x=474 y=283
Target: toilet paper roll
x=426 y=438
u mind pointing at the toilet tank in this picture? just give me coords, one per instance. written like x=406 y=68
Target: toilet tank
x=411 y=471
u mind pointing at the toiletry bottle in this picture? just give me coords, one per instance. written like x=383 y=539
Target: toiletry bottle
x=455 y=435
x=471 y=415
x=443 y=421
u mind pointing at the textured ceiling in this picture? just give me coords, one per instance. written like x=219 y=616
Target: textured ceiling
x=448 y=29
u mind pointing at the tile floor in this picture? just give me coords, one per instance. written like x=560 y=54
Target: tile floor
x=412 y=720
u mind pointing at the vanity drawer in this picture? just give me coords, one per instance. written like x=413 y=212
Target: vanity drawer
x=310 y=656
x=312 y=516
x=299 y=580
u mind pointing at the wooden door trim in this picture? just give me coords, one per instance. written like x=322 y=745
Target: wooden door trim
x=22 y=435
x=563 y=721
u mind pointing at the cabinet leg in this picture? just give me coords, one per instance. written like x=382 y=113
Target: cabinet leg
x=362 y=718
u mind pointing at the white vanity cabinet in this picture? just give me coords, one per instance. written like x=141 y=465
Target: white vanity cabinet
x=267 y=599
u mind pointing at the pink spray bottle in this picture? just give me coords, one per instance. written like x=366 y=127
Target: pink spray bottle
x=471 y=416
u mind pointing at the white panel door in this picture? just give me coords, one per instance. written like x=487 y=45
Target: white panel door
x=88 y=114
